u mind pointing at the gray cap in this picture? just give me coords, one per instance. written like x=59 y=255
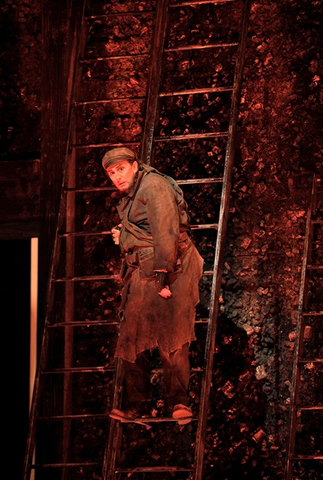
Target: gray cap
x=117 y=155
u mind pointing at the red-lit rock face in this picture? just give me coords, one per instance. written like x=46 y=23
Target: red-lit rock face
x=279 y=144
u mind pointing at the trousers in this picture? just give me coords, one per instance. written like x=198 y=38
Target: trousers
x=176 y=375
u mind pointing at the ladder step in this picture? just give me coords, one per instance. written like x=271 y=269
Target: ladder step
x=208 y=272
x=65 y=465
x=205 y=226
x=153 y=470
x=194 y=181
x=100 y=145
x=90 y=189
x=311 y=360
x=196 y=91
x=194 y=370
x=199 y=2
x=311 y=408
x=190 y=136
x=77 y=370
x=101 y=369
x=147 y=420
x=74 y=417
x=84 y=234
x=164 y=138
x=307 y=457
x=107 y=100
x=86 y=278
x=98 y=323
x=85 y=323
x=314 y=267
x=202 y=320
x=201 y=47
x=120 y=14
x=112 y=57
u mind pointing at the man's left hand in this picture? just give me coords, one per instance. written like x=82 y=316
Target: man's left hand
x=165 y=292
x=161 y=284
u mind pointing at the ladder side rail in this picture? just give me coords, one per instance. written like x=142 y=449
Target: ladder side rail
x=69 y=186
x=316 y=181
x=312 y=213
x=154 y=78
x=298 y=339
x=115 y=430
x=220 y=244
x=35 y=404
x=69 y=305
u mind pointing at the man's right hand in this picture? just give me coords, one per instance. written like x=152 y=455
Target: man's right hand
x=115 y=231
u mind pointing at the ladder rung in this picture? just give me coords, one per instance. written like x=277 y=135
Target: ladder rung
x=311 y=360
x=85 y=323
x=202 y=47
x=84 y=234
x=199 y=2
x=313 y=314
x=65 y=465
x=147 y=420
x=112 y=57
x=106 y=145
x=307 y=457
x=86 y=278
x=78 y=370
x=109 y=100
x=208 y=272
x=120 y=14
x=315 y=267
x=205 y=226
x=311 y=408
x=194 y=370
x=153 y=470
x=90 y=189
x=192 y=136
x=196 y=91
x=200 y=180
x=74 y=417
x=102 y=369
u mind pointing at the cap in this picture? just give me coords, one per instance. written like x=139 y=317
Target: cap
x=116 y=155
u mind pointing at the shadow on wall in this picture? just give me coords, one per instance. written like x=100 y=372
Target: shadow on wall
x=236 y=443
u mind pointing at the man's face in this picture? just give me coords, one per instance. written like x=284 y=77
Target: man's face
x=122 y=174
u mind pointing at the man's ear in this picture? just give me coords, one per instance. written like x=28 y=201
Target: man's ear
x=135 y=166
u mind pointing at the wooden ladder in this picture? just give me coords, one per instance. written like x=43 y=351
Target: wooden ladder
x=171 y=92
x=306 y=400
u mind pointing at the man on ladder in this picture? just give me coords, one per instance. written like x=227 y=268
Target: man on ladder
x=161 y=272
